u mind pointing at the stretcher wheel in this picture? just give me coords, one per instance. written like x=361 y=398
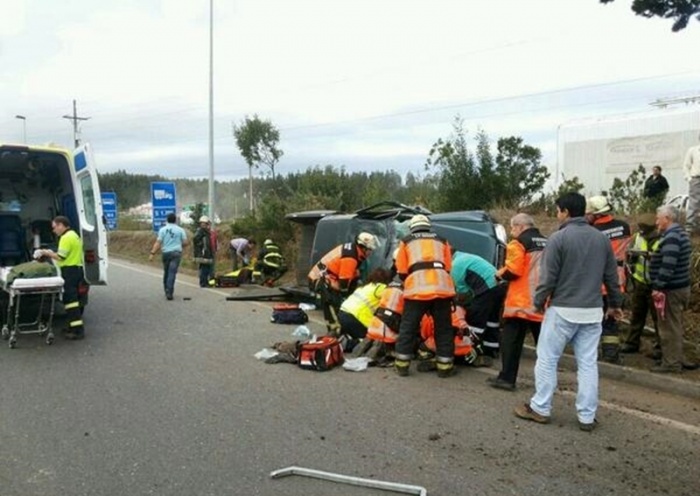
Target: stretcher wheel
x=49 y=339
x=5 y=332
x=12 y=343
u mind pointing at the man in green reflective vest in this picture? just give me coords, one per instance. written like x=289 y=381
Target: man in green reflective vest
x=644 y=242
x=69 y=258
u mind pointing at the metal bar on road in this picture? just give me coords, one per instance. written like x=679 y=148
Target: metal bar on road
x=348 y=479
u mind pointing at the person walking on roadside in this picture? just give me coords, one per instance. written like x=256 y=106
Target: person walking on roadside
x=69 y=258
x=577 y=260
x=644 y=242
x=599 y=214
x=522 y=271
x=204 y=252
x=669 y=272
x=170 y=241
x=336 y=275
x=423 y=263
x=691 y=171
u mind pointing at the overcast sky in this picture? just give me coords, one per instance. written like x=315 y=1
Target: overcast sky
x=368 y=84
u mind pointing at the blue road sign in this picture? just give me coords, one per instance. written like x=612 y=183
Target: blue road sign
x=163 y=199
x=109 y=209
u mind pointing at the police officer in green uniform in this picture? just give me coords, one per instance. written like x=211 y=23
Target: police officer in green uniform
x=69 y=258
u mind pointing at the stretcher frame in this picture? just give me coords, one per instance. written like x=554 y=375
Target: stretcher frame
x=48 y=289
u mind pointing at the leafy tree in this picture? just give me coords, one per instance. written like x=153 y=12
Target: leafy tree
x=520 y=173
x=257 y=141
x=628 y=195
x=680 y=10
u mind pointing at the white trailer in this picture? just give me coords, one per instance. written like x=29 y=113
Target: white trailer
x=600 y=149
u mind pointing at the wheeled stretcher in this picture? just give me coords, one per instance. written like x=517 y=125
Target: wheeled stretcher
x=46 y=290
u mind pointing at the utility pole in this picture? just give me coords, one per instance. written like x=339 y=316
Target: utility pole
x=212 y=214
x=75 y=120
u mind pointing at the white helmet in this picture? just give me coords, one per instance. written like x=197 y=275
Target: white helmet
x=597 y=205
x=204 y=219
x=268 y=241
x=367 y=240
x=419 y=221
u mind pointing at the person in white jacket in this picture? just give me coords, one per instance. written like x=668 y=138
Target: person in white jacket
x=691 y=171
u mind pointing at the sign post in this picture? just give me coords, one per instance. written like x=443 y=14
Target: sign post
x=164 y=202
x=109 y=209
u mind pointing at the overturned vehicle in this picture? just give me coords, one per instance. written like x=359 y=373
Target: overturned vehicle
x=471 y=231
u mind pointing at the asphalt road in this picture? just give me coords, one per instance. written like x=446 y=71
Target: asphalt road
x=166 y=398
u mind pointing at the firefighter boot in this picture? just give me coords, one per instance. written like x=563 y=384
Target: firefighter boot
x=445 y=369
x=426 y=360
x=401 y=367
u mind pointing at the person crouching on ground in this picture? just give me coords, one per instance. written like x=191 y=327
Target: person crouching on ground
x=357 y=310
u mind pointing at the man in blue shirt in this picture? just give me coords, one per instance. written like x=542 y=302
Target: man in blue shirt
x=171 y=240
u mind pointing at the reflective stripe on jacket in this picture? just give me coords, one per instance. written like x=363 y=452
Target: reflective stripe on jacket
x=522 y=271
x=424 y=262
x=339 y=267
x=363 y=302
x=620 y=236
x=642 y=249
x=463 y=344
x=384 y=326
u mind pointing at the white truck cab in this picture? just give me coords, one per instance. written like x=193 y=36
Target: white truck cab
x=38 y=183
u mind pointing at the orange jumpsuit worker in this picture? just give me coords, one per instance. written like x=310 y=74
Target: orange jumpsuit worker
x=599 y=214
x=521 y=270
x=335 y=276
x=423 y=262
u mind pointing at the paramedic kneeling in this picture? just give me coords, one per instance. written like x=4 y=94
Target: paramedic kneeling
x=69 y=258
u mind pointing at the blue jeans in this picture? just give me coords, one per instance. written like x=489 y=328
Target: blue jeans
x=206 y=272
x=556 y=333
x=171 y=262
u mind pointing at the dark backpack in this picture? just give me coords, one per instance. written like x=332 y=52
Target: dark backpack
x=288 y=314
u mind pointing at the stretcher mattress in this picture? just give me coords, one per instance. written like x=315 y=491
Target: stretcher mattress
x=36 y=283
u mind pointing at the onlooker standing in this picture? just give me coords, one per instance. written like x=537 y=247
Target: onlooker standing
x=656 y=186
x=577 y=260
x=691 y=170
x=241 y=250
x=204 y=251
x=521 y=270
x=69 y=257
x=644 y=242
x=171 y=240
x=670 y=283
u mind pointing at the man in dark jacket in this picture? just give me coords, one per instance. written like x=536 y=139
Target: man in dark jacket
x=204 y=251
x=656 y=186
x=669 y=271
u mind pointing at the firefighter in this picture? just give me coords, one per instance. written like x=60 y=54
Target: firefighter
x=335 y=276
x=464 y=342
x=481 y=294
x=600 y=215
x=423 y=263
x=644 y=242
x=271 y=262
x=521 y=270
